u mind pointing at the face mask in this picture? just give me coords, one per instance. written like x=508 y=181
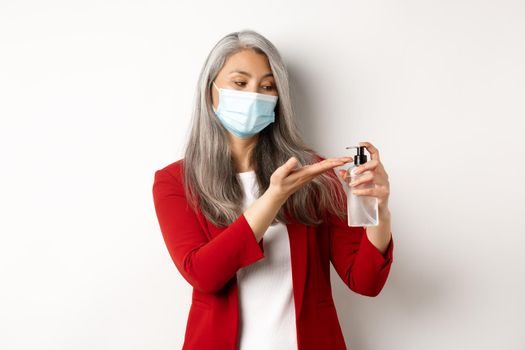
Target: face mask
x=245 y=113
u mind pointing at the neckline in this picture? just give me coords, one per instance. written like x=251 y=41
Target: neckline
x=246 y=173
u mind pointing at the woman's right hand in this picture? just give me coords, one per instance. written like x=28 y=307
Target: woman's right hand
x=288 y=178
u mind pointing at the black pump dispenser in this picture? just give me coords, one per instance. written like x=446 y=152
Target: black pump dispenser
x=360 y=157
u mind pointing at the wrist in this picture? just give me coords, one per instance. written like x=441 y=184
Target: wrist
x=384 y=213
x=275 y=196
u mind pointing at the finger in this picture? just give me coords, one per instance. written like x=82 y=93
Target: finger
x=366 y=192
x=361 y=180
x=374 y=152
x=344 y=174
x=312 y=170
x=372 y=177
x=291 y=164
x=346 y=158
x=381 y=192
x=327 y=164
x=370 y=165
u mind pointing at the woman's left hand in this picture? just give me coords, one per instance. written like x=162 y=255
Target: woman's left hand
x=377 y=175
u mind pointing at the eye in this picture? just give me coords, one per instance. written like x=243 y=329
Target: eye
x=240 y=83
x=268 y=87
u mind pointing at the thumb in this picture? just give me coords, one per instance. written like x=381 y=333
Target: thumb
x=283 y=171
x=290 y=165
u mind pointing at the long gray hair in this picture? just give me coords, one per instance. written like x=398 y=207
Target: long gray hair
x=210 y=179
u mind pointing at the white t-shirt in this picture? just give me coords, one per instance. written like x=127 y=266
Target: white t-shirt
x=266 y=304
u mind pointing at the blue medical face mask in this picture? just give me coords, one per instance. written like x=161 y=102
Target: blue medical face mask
x=245 y=113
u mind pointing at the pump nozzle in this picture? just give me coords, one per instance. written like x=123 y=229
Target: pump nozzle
x=360 y=157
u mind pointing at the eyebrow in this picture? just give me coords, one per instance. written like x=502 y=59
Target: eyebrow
x=248 y=74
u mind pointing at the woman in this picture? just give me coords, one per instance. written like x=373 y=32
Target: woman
x=246 y=174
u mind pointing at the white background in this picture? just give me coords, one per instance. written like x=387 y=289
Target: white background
x=95 y=96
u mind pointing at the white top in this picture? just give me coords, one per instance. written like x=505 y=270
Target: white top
x=266 y=304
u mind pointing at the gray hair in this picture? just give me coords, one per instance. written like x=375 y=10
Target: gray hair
x=210 y=179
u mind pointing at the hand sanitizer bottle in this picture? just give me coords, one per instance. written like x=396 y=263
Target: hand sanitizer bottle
x=362 y=210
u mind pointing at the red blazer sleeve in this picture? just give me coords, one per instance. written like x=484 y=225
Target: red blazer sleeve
x=357 y=261
x=206 y=264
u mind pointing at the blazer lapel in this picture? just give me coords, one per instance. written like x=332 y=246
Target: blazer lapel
x=297 y=233
x=298 y=236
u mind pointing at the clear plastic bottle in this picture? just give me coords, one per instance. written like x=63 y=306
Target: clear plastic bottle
x=362 y=210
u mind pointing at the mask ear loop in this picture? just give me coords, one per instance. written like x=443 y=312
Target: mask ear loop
x=219 y=91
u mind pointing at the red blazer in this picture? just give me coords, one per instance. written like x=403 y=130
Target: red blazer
x=208 y=257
